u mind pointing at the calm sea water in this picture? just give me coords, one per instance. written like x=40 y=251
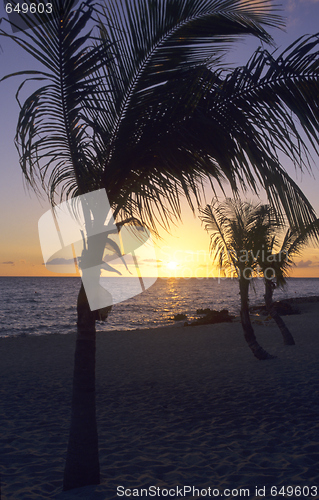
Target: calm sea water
x=43 y=306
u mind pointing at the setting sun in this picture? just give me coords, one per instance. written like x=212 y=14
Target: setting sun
x=172 y=265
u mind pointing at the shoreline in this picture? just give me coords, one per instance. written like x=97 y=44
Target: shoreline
x=175 y=324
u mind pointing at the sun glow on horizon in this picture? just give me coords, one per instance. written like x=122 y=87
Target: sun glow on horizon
x=172 y=265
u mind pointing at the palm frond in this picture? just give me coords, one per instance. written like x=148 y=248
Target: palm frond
x=153 y=46
x=152 y=42
x=228 y=223
x=54 y=144
x=293 y=243
x=230 y=129
x=241 y=233
x=259 y=114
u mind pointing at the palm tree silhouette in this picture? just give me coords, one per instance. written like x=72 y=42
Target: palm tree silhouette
x=244 y=238
x=140 y=106
x=279 y=263
x=235 y=237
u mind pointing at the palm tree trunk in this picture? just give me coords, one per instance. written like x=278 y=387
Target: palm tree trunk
x=249 y=333
x=286 y=334
x=82 y=462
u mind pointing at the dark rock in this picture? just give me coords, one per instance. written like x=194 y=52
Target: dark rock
x=179 y=317
x=283 y=308
x=213 y=317
x=203 y=311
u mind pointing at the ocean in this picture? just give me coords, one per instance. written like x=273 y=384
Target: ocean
x=44 y=306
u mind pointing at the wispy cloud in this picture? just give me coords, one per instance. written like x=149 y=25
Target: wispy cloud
x=307 y=263
x=301 y=263
x=60 y=262
x=9 y=263
x=291 y=5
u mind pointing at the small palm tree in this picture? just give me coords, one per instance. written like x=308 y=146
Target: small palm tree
x=278 y=263
x=234 y=228
x=253 y=246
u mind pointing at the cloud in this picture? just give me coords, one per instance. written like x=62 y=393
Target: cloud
x=292 y=5
x=128 y=258
x=9 y=263
x=59 y=262
x=304 y=264
x=152 y=260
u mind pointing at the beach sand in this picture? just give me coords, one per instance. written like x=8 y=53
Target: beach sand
x=175 y=407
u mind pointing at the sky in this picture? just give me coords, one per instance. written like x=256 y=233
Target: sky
x=184 y=252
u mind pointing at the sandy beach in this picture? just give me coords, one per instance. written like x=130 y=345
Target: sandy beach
x=176 y=407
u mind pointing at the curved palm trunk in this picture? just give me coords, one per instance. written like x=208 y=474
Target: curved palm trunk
x=269 y=290
x=249 y=334
x=82 y=462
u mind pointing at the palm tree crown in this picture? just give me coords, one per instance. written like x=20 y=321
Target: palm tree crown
x=285 y=250
x=238 y=230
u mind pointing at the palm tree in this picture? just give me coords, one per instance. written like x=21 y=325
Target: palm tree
x=234 y=228
x=143 y=109
x=274 y=268
x=279 y=262
x=251 y=245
